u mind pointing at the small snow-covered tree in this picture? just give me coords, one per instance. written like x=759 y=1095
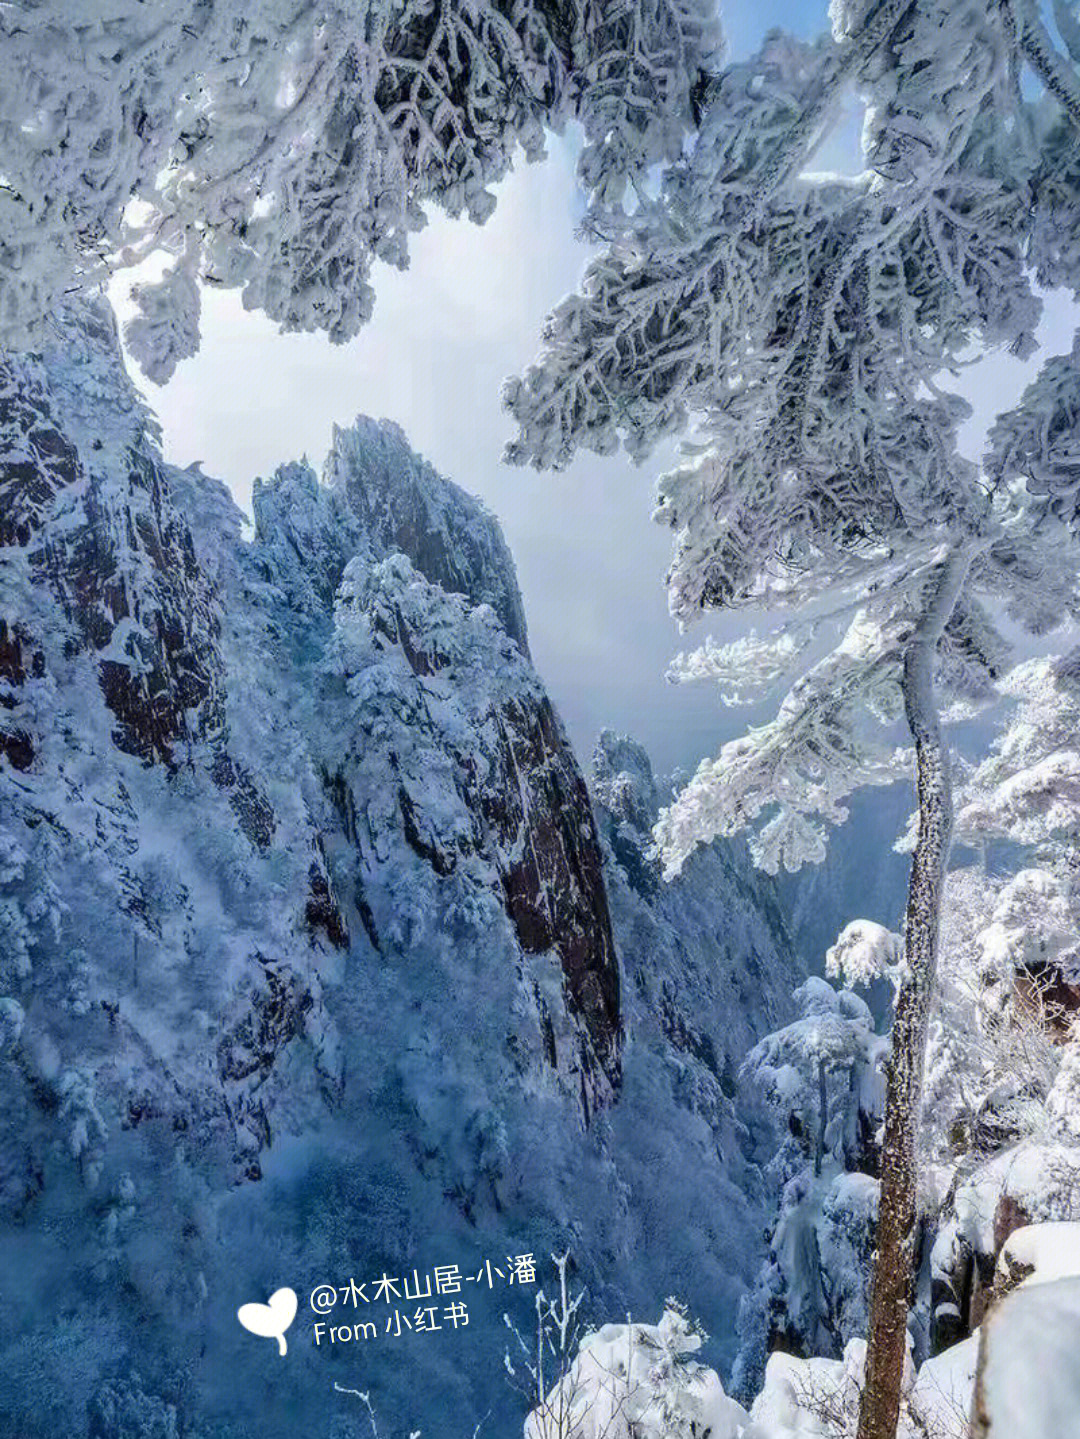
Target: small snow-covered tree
x=282 y=147
x=1027 y=790
x=822 y=1075
x=822 y=1072
x=866 y=951
x=805 y=322
x=31 y=905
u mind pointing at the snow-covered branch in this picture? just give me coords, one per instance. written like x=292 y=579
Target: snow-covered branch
x=285 y=148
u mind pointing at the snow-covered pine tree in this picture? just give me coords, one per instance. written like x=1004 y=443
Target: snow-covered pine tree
x=821 y=1075
x=805 y=322
x=819 y=1072
x=282 y=147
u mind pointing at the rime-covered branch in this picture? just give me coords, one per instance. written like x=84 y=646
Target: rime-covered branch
x=283 y=148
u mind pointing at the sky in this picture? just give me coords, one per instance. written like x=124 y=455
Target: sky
x=445 y=334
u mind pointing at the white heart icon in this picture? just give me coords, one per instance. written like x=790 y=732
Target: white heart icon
x=270 y=1320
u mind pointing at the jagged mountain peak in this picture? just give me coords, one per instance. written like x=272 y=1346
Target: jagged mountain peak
x=305 y=535
x=377 y=497
x=623 y=779
x=403 y=503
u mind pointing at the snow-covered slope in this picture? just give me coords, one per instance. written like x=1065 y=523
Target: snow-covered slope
x=316 y=961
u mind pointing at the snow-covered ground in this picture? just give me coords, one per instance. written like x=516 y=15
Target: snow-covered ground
x=1016 y=1378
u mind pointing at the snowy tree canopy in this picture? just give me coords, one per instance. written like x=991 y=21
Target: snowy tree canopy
x=284 y=147
x=1028 y=789
x=834 y=1031
x=1009 y=935
x=638 y=1381
x=864 y=951
x=807 y=325
x=804 y=323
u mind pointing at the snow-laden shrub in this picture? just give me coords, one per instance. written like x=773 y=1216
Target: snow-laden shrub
x=31 y=907
x=992 y=1052
x=12 y=1018
x=1063 y=1101
x=819 y=1398
x=638 y=1381
x=120 y=1409
x=809 y=1397
x=1009 y=979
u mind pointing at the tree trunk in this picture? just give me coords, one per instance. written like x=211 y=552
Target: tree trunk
x=822 y=1117
x=896 y=1230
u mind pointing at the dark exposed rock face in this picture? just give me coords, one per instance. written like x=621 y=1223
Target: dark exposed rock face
x=555 y=889
x=17 y=656
x=37 y=461
x=100 y=535
x=322 y=911
x=512 y=797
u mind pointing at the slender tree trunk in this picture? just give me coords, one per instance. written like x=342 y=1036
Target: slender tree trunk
x=897 y=1229
x=822 y=1117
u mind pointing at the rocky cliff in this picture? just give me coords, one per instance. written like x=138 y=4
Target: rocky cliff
x=317 y=958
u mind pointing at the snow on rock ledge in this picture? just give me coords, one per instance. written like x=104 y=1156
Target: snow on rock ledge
x=1028 y=1382
x=1018 y=1377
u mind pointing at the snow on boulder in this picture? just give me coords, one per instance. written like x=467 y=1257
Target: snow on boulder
x=812 y=1398
x=1018 y=1377
x=819 y=1398
x=941 y=1399
x=1030 y=1183
x=1028 y=1382
x=1039 y=1254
